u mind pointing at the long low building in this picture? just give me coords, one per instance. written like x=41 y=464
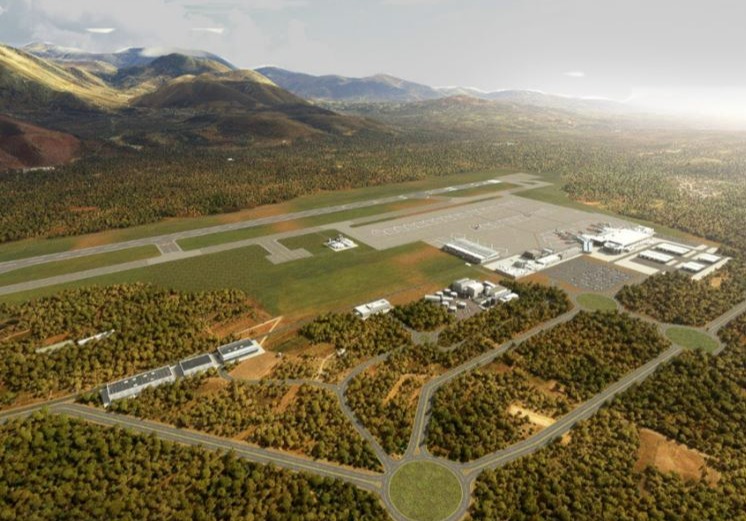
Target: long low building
x=240 y=350
x=196 y=364
x=654 y=256
x=377 y=307
x=673 y=249
x=134 y=385
x=471 y=251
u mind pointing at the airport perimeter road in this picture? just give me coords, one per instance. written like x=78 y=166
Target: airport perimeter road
x=567 y=422
x=19 y=412
x=173 y=237
x=723 y=320
x=363 y=479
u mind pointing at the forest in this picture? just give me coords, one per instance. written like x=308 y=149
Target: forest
x=589 y=352
x=684 y=179
x=471 y=418
x=677 y=299
x=421 y=315
x=385 y=397
x=60 y=468
x=696 y=399
x=357 y=339
x=302 y=418
x=593 y=477
x=152 y=327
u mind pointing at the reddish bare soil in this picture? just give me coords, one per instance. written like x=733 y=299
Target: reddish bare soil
x=255 y=368
x=668 y=456
x=26 y=145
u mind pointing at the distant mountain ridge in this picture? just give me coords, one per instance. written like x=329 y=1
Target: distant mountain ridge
x=130 y=57
x=378 y=88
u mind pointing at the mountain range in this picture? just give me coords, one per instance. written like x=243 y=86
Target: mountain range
x=55 y=100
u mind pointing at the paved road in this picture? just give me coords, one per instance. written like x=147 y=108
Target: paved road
x=173 y=237
x=363 y=479
x=716 y=325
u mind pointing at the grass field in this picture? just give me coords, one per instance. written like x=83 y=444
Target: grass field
x=51 y=269
x=692 y=339
x=425 y=491
x=595 y=302
x=319 y=220
x=33 y=247
x=326 y=281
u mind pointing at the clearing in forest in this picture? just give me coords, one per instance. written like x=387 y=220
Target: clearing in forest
x=668 y=456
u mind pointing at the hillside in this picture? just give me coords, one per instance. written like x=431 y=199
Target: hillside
x=379 y=88
x=23 y=145
x=126 y=58
x=245 y=105
x=29 y=83
x=145 y=78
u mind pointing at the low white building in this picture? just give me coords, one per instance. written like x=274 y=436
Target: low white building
x=471 y=251
x=196 y=364
x=377 y=307
x=239 y=350
x=99 y=336
x=132 y=386
x=340 y=243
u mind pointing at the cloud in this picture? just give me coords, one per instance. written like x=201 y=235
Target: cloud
x=212 y=30
x=575 y=74
x=100 y=30
x=2 y=10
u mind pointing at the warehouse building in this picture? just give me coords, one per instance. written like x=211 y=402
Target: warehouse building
x=377 y=307
x=654 y=256
x=134 y=385
x=470 y=251
x=238 y=351
x=196 y=364
x=708 y=258
x=692 y=267
x=672 y=249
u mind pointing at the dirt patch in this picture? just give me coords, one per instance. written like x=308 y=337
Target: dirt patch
x=668 y=456
x=255 y=368
x=16 y=336
x=549 y=388
x=288 y=399
x=416 y=257
x=288 y=226
x=716 y=282
x=498 y=368
x=397 y=386
x=211 y=385
x=54 y=339
x=534 y=417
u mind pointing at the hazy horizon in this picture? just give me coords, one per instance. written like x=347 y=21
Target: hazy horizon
x=671 y=57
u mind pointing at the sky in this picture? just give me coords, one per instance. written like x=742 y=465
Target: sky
x=673 y=55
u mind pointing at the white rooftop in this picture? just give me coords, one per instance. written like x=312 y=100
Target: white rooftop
x=625 y=237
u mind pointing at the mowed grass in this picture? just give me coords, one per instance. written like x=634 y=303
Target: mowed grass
x=52 y=269
x=596 y=302
x=692 y=339
x=425 y=491
x=214 y=239
x=34 y=247
x=327 y=281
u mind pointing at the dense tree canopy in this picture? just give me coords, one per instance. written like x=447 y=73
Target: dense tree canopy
x=57 y=468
